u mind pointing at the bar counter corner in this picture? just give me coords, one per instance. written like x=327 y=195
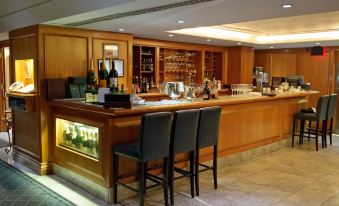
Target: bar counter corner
x=246 y=123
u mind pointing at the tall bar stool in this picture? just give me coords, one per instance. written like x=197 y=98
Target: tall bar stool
x=319 y=116
x=330 y=114
x=183 y=140
x=208 y=134
x=153 y=144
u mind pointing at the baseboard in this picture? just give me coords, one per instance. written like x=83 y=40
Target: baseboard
x=41 y=168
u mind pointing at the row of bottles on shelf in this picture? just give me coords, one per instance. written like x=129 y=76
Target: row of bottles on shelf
x=81 y=138
x=109 y=79
x=147 y=65
x=143 y=85
x=211 y=89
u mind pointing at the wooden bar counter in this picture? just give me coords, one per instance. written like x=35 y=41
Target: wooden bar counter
x=246 y=123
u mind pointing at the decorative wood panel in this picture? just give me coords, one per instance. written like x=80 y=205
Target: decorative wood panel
x=315 y=70
x=65 y=56
x=123 y=54
x=240 y=65
x=283 y=64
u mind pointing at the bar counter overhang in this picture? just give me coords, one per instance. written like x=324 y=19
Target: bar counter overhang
x=246 y=123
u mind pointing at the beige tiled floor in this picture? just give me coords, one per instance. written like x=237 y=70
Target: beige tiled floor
x=291 y=177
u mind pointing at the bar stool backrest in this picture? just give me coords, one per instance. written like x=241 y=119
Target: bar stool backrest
x=322 y=107
x=184 y=131
x=155 y=135
x=208 y=129
x=331 y=106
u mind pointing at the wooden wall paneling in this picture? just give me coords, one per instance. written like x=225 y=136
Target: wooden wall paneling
x=224 y=67
x=263 y=60
x=284 y=64
x=234 y=65
x=247 y=64
x=124 y=47
x=65 y=56
x=315 y=70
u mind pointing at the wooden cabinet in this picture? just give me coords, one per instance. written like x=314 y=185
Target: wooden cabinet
x=144 y=59
x=240 y=65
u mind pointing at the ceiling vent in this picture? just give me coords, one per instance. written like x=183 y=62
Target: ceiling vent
x=137 y=12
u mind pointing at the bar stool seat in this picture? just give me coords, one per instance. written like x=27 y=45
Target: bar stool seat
x=128 y=150
x=306 y=116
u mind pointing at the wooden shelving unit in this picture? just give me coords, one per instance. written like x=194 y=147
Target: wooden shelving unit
x=179 y=65
x=213 y=65
x=144 y=59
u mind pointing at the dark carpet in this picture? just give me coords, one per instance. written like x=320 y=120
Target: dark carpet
x=17 y=188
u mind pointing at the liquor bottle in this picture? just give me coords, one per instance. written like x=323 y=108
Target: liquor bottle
x=122 y=91
x=113 y=77
x=138 y=84
x=103 y=74
x=146 y=85
x=206 y=92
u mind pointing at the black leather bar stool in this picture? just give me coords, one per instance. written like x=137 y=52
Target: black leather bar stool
x=183 y=140
x=153 y=144
x=330 y=114
x=208 y=134
x=319 y=116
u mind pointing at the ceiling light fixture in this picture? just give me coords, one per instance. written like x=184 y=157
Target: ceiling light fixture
x=181 y=22
x=121 y=29
x=171 y=35
x=286 y=6
x=271 y=47
x=239 y=43
x=208 y=40
x=317 y=43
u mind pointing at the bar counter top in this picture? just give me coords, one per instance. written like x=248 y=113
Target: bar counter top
x=168 y=105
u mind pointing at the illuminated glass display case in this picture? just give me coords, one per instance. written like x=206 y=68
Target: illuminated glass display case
x=78 y=137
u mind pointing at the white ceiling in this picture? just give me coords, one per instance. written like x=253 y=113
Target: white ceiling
x=155 y=24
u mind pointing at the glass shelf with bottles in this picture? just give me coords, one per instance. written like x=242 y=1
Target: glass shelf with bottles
x=78 y=137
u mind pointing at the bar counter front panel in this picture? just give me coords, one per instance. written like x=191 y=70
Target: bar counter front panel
x=246 y=123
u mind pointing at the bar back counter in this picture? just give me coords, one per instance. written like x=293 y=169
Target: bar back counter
x=246 y=123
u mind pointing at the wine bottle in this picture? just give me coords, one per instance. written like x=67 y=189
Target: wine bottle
x=103 y=74
x=113 y=77
x=206 y=92
x=122 y=91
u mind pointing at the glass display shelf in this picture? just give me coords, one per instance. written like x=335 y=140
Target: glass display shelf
x=78 y=137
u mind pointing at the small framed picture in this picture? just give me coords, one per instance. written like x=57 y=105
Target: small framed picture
x=111 y=51
x=119 y=66
x=107 y=62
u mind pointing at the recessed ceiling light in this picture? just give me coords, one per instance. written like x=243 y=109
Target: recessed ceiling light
x=286 y=6
x=271 y=47
x=181 y=21
x=208 y=40
x=171 y=35
x=317 y=43
x=239 y=43
x=121 y=29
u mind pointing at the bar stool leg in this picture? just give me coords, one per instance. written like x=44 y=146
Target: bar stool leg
x=309 y=129
x=331 y=130
x=192 y=173
x=142 y=184
x=165 y=183
x=293 y=130
x=301 y=134
x=215 y=159
x=115 y=177
x=316 y=135
x=197 y=172
x=171 y=178
x=145 y=181
x=324 y=133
